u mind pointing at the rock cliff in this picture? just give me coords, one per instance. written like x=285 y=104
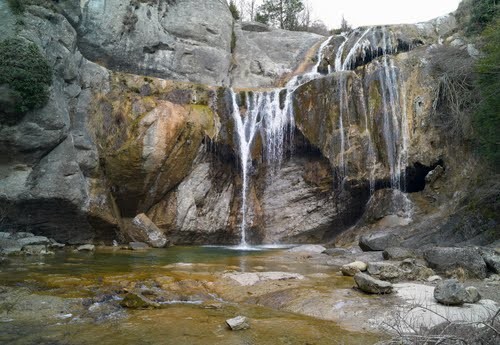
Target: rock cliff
x=140 y=119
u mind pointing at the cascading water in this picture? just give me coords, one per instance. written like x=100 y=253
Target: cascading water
x=271 y=114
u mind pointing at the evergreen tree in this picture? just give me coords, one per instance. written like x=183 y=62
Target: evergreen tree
x=281 y=13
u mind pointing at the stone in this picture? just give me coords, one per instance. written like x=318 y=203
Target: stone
x=398 y=253
x=9 y=246
x=138 y=301
x=146 y=231
x=378 y=241
x=254 y=27
x=448 y=259
x=372 y=285
x=336 y=252
x=473 y=295
x=433 y=175
x=450 y=292
x=21 y=234
x=252 y=278
x=238 y=323
x=353 y=268
x=86 y=248
x=56 y=245
x=492 y=260
x=4 y=235
x=138 y=246
x=25 y=241
x=385 y=270
x=36 y=249
x=308 y=248
x=434 y=278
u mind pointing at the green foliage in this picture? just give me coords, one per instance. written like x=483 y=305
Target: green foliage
x=487 y=118
x=233 y=41
x=234 y=10
x=475 y=15
x=25 y=77
x=281 y=13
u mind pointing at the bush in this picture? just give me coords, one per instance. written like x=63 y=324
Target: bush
x=234 y=10
x=25 y=77
x=486 y=121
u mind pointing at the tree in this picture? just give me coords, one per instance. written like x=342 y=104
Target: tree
x=234 y=10
x=344 y=25
x=281 y=13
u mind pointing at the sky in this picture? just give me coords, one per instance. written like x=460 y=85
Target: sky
x=373 y=12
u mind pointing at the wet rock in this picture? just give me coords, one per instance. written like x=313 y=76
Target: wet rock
x=35 y=240
x=378 y=241
x=385 y=270
x=249 y=279
x=56 y=245
x=353 y=268
x=138 y=246
x=450 y=292
x=4 y=261
x=308 y=248
x=398 y=253
x=9 y=246
x=336 y=252
x=86 y=248
x=473 y=295
x=4 y=235
x=21 y=234
x=138 y=301
x=238 y=323
x=448 y=259
x=372 y=285
x=144 y=230
x=36 y=249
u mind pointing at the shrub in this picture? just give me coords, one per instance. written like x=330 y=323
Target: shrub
x=486 y=121
x=25 y=77
x=234 y=10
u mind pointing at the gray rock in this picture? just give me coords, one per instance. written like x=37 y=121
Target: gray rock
x=86 y=248
x=450 y=292
x=36 y=249
x=19 y=235
x=434 y=278
x=445 y=259
x=385 y=270
x=255 y=27
x=473 y=295
x=353 y=268
x=144 y=230
x=492 y=260
x=398 y=253
x=138 y=246
x=9 y=246
x=378 y=241
x=4 y=235
x=56 y=245
x=372 y=285
x=336 y=252
x=26 y=241
x=238 y=323
x=308 y=248
x=433 y=175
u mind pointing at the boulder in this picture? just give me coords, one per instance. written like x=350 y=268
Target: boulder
x=86 y=248
x=398 y=253
x=35 y=240
x=238 y=323
x=378 y=241
x=473 y=295
x=138 y=246
x=9 y=246
x=450 y=292
x=138 y=301
x=36 y=249
x=447 y=259
x=372 y=285
x=144 y=230
x=21 y=234
x=353 y=268
x=336 y=252
x=4 y=235
x=385 y=270
x=308 y=248
x=492 y=260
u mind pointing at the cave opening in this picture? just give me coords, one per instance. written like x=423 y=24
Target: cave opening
x=415 y=176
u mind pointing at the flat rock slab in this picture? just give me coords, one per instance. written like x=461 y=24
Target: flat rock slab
x=309 y=248
x=251 y=278
x=372 y=285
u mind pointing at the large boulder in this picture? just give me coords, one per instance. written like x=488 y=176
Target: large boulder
x=142 y=229
x=378 y=241
x=372 y=285
x=385 y=270
x=447 y=259
x=398 y=253
x=492 y=260
x=353 y=268
x=450 y=292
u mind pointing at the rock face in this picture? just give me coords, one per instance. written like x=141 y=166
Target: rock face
x=450 y=292
x=143 y=229
x=448 y=259
x=379 y=241
x=371 y=285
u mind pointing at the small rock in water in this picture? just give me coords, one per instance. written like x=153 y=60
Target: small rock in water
x=238 y=323
x=353 y=268
x=336 y=251
x=450 y=292
x=86 y=248
x=371 y=285
x=138 y=246
x=138 y=301
x=473 y=295
x=308 y=248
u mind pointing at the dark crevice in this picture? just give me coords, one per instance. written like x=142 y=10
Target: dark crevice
x=415 y=176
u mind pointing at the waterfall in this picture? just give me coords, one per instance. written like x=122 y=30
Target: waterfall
x=269 y=113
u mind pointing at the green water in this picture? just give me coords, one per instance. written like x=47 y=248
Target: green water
x=51 y=300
